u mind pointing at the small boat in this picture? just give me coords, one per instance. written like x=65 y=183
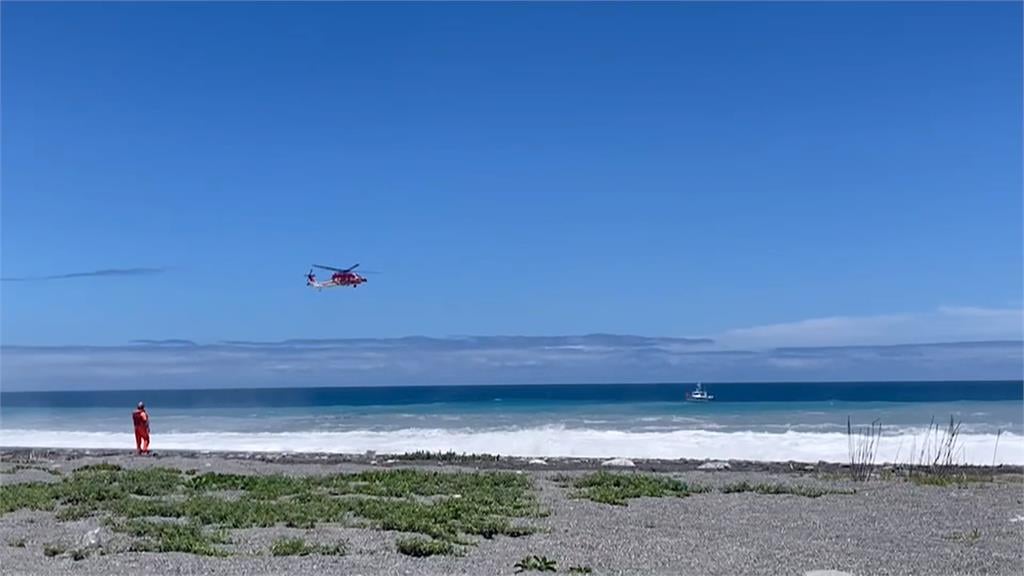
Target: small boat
x=699 y=394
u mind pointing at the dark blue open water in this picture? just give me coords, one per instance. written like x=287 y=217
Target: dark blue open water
x=999 y=391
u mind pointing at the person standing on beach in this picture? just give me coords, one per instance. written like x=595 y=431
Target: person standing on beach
x=140 y=418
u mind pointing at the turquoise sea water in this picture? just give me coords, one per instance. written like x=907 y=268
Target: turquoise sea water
x=770 y=421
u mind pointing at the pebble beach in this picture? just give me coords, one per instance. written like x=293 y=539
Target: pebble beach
x=887 y=525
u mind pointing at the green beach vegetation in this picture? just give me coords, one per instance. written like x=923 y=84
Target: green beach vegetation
x=299 y=547
x=618 y=488
x=612 y=488
x=420 y=547
x=777 y=488
x=167 y=510
x=536 y=564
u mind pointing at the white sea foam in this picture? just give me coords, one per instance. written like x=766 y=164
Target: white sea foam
x=549 y=441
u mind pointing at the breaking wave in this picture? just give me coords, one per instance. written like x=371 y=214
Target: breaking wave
x=548 y=441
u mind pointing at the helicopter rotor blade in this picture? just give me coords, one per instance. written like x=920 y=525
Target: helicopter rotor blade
x=343 y=271
x=329 y=268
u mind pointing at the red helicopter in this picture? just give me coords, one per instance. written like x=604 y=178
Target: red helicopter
x=339 y=278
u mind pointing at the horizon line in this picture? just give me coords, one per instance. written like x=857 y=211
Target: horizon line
x=677 y=383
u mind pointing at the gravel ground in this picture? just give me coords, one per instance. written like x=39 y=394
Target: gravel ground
x=887 y=527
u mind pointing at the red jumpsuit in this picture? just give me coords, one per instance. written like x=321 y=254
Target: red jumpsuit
x=141 y=420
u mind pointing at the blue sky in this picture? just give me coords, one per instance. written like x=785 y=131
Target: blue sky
x=763 y=175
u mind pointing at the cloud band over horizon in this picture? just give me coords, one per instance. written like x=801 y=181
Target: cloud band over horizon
x=962 y=343
x=489 y=360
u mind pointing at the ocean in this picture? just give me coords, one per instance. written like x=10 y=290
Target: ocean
x=765 y=421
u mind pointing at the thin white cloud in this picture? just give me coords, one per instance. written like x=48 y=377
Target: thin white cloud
x=981 y=343
x=57 y=367
x=108 y=272
x=798 y=363
x=947 y=324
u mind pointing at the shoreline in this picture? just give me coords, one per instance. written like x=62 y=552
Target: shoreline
x=486 y=461
x=899 y=449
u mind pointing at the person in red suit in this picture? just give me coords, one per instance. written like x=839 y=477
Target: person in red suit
x=140 y=418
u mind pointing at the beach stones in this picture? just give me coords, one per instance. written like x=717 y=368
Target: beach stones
x=91 y=539
x=714 y=466
x=619 y=463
